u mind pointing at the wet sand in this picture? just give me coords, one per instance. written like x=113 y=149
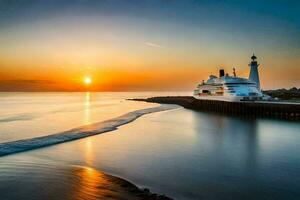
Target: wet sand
x=117 y=188
x=53 y=181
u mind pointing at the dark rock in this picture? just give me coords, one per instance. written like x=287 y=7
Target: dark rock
x=146 y=190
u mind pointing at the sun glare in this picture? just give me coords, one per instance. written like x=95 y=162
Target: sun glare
x=87 y=80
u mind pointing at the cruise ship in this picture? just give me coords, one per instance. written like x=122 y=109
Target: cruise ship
x=232 y=88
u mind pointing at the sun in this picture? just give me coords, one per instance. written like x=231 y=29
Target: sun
x=87 y=80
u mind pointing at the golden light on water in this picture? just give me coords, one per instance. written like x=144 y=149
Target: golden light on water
x=87 y=111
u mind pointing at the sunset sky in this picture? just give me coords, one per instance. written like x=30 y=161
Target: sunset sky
x=135 y=45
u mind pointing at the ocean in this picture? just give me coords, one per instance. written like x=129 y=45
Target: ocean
x=182 y=153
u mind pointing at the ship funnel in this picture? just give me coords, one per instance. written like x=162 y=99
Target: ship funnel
x=221 y=73
x=254 y=76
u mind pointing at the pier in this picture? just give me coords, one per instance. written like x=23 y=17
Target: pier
x=263 y=109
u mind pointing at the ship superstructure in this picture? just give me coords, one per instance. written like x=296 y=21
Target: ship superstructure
x=231 y=88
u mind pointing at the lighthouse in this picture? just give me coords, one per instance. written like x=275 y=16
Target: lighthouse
x=253 y=76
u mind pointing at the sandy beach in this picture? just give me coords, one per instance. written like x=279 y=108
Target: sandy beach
x=111 y=187
x=39 y=181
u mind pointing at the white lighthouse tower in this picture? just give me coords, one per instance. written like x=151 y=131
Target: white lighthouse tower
x=253 y=76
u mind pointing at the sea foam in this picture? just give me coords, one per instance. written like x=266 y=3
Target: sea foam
x=77 y=133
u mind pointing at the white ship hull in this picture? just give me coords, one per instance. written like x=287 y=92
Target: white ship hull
x=228 y=98
x=232 y=88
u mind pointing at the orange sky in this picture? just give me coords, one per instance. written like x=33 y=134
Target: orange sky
x=142 y=52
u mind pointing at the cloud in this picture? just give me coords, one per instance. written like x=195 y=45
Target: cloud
x=27 y=81
x=150 y=44
x=27 y=85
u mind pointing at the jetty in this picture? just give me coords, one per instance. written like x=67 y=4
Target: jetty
x=262 y=109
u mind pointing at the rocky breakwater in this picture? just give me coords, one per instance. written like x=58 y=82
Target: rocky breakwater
x=265 y=109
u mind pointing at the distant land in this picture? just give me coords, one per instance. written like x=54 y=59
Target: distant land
x=292 y=94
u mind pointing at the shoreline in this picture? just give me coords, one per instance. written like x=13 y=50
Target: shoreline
x=120 y=188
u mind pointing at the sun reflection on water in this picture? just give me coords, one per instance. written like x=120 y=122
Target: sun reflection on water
x=87 y=109
x=92 y=184
x=88 y=151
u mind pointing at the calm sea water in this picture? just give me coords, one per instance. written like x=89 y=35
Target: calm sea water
x=182 y=153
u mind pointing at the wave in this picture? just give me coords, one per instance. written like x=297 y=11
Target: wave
x=22 y=117
x=78 y=133
x=31 y=116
